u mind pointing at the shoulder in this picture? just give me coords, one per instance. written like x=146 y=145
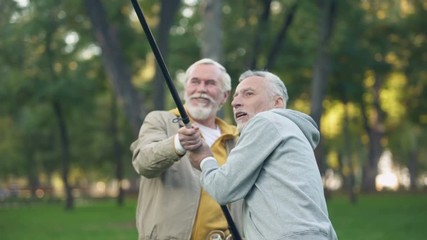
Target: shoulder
x=261 y=122
x=226 y=127
x=160 y=114
x=267 y=116
x=159 y=117
x=271 y=120
x=277 y=115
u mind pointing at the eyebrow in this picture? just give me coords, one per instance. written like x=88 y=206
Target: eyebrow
x=204 y=79
x=244 y=90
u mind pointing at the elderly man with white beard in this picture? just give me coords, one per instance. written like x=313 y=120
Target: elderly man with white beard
x=171 y=202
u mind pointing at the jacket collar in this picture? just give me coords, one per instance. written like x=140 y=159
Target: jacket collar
x=226 y=128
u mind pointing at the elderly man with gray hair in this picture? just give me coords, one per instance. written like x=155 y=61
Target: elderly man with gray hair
x=272 y=168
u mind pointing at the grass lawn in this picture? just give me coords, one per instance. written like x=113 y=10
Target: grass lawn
x=390 y=216
x=87 y=221
x=374 y=217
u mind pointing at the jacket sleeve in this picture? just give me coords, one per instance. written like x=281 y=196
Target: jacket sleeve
x=154 y=151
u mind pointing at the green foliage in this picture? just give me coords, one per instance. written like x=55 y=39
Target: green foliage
x=48 y=53
x=43 y=62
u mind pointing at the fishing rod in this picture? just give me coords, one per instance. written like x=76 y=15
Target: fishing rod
x=161 y=62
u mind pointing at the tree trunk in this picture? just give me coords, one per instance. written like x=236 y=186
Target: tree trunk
x=412 y=156
x=412 y=167
x=275 y=50
x=211 y=39
x=117 y=153
x=211 y=46
x=375 y=132
x=33 y=179
x=118 y=73
x=168 y=10
x=62 y=126
x=349 y=174
x=259 y=34
x=321 y=69
x=65 y=154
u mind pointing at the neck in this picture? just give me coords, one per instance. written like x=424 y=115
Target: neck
x=209 y=122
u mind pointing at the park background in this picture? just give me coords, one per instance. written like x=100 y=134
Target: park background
x=78 y=78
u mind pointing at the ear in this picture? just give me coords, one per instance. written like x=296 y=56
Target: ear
x=279 y=103
x=226 y=94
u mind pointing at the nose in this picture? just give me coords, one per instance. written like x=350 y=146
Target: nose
x=236 y=103
x=201 y=87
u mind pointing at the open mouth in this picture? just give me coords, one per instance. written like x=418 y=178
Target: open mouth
x=239 y=115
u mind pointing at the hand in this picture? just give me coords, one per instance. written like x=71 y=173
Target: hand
x=197 y=155
x=190 y=138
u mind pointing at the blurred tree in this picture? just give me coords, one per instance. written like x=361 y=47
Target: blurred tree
x=260 y=34
x=410 y=46
x=349 y=59
x=48 y=62
x=115 y=67
x=51 y=60
x=168 y=10
x=321 y=68
x=211 y=37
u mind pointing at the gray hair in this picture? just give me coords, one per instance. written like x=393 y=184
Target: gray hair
x=225 y=77
x=277 y=86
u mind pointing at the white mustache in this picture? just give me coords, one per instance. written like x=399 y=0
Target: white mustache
x=202 y=95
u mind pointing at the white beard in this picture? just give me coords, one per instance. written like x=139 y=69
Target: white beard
x=241 y=126
x=200 y=113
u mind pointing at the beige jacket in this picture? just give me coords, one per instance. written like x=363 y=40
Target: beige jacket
x=169 y=186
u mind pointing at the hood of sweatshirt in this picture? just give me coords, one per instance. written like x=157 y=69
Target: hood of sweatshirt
x=307 y=125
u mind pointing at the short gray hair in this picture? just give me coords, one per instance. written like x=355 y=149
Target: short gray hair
x=225 y=77
x=277 y=86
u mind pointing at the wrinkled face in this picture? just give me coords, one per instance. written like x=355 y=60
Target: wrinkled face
x=253 y=95
x=203 y=92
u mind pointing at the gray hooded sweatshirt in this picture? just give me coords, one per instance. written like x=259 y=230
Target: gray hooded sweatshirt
x=273 y=168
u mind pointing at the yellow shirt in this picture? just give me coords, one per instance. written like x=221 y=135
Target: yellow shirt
x=209 y=214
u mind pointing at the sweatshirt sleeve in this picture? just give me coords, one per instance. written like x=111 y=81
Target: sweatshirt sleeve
x=235 y=179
